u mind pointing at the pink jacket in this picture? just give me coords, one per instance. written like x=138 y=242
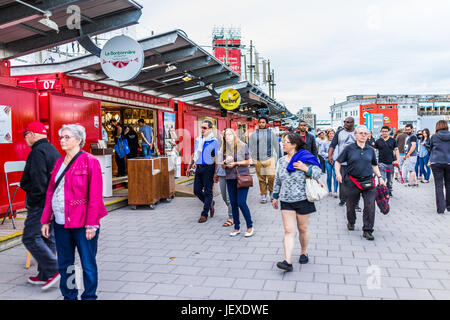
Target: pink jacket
x=83 y=193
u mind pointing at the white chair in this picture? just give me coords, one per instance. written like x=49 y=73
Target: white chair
x=12 y=166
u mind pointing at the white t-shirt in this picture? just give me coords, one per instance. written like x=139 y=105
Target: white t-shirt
x=58 y=199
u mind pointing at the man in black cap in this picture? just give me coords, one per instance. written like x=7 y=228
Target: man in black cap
x=34 y=181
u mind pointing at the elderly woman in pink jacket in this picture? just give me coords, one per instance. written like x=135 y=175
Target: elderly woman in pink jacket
x=74 y=203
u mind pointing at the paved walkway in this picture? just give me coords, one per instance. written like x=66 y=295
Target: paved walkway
x=166 y=254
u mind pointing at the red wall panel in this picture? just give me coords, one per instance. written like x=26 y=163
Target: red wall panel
x=65 y=109
x=23 y=103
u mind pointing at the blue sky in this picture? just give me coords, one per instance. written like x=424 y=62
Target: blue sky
x=326 y=50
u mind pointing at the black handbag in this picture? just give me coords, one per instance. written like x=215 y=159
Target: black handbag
x=364 y=183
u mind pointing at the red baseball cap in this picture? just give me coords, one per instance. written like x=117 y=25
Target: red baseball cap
x=36 y=127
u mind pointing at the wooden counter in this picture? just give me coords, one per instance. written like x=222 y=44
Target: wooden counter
x=144 y=181
x=149 y=180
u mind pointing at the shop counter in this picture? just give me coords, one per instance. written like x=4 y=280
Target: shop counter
x=149 y=181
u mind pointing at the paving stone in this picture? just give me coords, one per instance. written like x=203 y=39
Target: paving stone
x=196 y=292
x=166 y=289
x=425 y=284
x=260 y=295
x=345 y=289
x=311 y=287
x=327 y=297
x=219 y=282
x=251 y=284
x=414 y=294
x=294 y=296
x=137 y=296
x=328 y=278
x=136 y=287
x=385 y=293
x=441 y=294
x=279 y=285
x=227 y=294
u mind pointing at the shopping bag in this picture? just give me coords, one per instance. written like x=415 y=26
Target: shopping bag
x=382 y=198
x=315 y=191
x=122 y=148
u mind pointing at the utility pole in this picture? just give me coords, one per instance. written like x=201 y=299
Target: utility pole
x=245 y=66
x=273 y=84
x=269 y=78
x=251 y=61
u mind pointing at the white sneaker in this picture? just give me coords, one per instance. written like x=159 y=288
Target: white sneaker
x=235 y=233
x=249 y=234
x=263 y=199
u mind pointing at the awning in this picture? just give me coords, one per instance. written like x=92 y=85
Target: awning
x=177 y=68
x=174 y=66
x=21 y=33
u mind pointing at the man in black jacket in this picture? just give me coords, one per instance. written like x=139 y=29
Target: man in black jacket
x=35 y=180
x=308 y=138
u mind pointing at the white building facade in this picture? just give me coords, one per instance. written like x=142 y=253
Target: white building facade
x=422 y=111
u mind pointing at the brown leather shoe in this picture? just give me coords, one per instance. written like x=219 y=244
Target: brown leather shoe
x=211 y=210
x=202 y=219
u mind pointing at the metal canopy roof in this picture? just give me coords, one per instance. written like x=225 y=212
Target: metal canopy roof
x=252 y=97
x=21 y=32
x=169 y=57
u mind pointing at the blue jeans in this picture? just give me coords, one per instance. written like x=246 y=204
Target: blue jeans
x=331 y=176
x=146 y=152
x=238 y=200
x=66 y=242
x=424 y=169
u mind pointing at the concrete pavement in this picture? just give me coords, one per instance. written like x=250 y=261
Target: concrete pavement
x=165 y=254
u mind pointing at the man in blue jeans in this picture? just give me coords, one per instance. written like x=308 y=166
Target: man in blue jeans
x=147 y=138
x=204 y=163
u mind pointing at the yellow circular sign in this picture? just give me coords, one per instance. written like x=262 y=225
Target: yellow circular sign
x=230 y=99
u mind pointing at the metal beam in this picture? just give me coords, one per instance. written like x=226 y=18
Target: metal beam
x=182 y=67
x=32 y=44
x=19 y=12
x=182 y=85
x=204 y=72
x=182 y=93
x=205 y=94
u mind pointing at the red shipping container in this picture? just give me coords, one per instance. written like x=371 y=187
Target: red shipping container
x=23 y=103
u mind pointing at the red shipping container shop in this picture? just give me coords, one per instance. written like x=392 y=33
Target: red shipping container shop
x=22 y=105
x=389 y=112
x=57 y=99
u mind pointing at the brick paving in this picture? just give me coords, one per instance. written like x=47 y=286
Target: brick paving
x=165 y=254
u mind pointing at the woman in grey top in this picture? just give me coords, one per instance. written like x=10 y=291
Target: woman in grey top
x=290 y=189
x=220 y=178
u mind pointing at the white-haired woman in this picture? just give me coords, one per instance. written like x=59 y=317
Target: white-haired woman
x=74 y=204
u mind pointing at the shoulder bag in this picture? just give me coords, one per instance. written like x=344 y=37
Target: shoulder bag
x=243 y=181
x=315 y=191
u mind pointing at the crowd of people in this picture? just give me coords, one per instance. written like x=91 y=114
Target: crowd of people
x=65 y=204
x=353 y=160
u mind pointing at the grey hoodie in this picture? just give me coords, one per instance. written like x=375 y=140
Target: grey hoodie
x=440 y=147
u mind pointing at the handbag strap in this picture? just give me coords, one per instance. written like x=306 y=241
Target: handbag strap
x=67 y=168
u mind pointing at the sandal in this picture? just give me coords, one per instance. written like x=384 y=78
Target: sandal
x=228 y=223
